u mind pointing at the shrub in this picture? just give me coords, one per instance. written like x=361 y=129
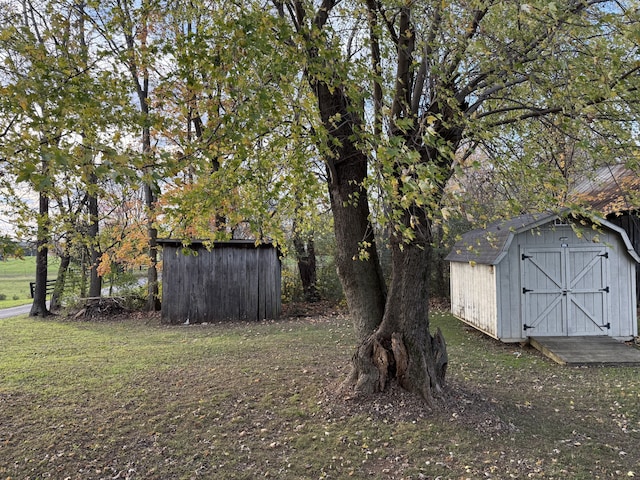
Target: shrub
x=291 y=285
x=327 y=283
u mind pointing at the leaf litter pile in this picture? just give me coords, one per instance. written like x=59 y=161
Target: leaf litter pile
x=129 y=398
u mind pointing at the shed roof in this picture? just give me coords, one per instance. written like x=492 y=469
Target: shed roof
x=177 y=242
x=489 y=245
x=610 y=190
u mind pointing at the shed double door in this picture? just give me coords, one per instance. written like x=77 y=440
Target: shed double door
x=564 y=290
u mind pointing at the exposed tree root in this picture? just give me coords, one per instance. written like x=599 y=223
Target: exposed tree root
x=378 y=363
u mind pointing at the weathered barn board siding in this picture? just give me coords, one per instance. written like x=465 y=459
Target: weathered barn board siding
x=232 y=281
x=592 y=260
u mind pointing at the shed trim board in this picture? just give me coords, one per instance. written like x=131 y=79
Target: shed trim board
x=539 y=275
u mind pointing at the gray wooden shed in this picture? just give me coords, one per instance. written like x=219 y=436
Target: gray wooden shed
x=540 y=275
x=235 y=280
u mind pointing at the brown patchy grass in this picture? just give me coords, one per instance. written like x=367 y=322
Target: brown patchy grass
x=131 y=398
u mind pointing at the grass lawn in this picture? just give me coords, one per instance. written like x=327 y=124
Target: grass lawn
x=15 y=275
x=135 y=399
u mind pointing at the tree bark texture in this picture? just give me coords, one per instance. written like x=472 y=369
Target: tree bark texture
x=95 y=280
x=395 y=343
x=403 y=348
x=307 y=266
x=141 y=80
x=357 y=260
x=58 y=289
x=39 y=306
x=153 y=298
x=393 y=326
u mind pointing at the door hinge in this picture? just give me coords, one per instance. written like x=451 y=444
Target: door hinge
x=605 y=255
x=526 y=327
x=608 y=325
x=524 y=257
x=525 y=290
x=605 y=289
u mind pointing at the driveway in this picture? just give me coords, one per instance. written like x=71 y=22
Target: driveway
x=15 y=311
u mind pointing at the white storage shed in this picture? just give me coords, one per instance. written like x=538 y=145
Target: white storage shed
x=542 y=275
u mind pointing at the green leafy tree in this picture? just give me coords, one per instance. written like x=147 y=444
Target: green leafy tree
x=9 y=248
x=412 y=87
x=129 y=31
x=241 y=142
x=59 y=107
x=40 y=83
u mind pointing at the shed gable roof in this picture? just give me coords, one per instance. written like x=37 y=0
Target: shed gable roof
x=487 y=246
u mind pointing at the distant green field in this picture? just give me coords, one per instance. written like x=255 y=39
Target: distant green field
x=15 y=275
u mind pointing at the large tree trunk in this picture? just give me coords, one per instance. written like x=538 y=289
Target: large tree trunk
x=83 y=273
x=307 y=266
x=403 y=349
x=356 y=253
x=153 y=290
x=58 y=289
x=95 y=280
x=153 y=298
x=357 y=261
x=39 y=306
x=141 y=80
x=392 y=328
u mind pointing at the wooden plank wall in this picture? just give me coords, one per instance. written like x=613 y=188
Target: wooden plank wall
x=228 y=282
x=473 y=296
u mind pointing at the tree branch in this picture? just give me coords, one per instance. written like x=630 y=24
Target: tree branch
x=406 y=43
x=391 y=29
x=376 y=64
x=492 y=90
x=322 y=15
x=421 y=75
x=528 y=54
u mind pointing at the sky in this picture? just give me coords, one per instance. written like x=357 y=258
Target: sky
x=7 y=220
x=5 y=226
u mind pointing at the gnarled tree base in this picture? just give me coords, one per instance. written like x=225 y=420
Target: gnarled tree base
x=420 y=369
